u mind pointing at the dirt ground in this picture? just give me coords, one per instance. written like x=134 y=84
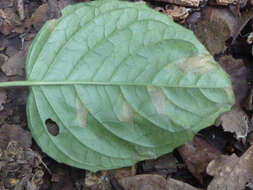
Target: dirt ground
x=220 y=157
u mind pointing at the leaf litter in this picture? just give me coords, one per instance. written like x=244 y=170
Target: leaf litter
x=197 y=154
x=12 y=109
x=236 y=120
x=231 y=172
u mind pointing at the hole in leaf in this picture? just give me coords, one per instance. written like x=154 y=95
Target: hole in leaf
x=52 y=127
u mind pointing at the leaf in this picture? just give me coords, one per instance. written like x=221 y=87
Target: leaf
x=231 y=172
x=122 y=82
x=197 y=154
x=157 y=182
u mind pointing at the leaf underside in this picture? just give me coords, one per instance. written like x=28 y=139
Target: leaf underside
x=149 y=85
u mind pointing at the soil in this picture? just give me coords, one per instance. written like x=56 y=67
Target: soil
x=219 y=157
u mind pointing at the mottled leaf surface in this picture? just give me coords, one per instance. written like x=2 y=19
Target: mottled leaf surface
x=123 y=83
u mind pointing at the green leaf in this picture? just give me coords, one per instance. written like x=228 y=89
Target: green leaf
x=123 y=83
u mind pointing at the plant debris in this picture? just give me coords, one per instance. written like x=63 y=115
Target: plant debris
x=231 y=172
x=197 y=154
x=147 y=182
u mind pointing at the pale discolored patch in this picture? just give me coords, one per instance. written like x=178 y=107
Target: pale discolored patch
x=52 y=25
x=201 y=64
x=81 y=113
x=158 y=99
x=126 y=112
x=230 y=94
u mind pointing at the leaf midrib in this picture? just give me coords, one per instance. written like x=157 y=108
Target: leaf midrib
x=100 y=83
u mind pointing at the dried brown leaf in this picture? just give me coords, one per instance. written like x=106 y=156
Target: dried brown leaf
x=178 y=185
x=178 y=13
x=231 y=172
x=156 y=182
x=14 y=133
x=197 y=154
x=15 y=64
x=238 y=74
x=164 y=165
x=40 y=16
x=236 y=120
x=216 y=25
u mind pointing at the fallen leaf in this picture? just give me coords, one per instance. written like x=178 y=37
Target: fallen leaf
x=16 y=63
x=238 y=74
x=167 y=161
x=197 y=154
x=236 y=120
x=178 y=185
x=178 y=13
x=123 y=172
x=14 y=133
x=144 y=182
x=164 y=165
x=174 y=91
x=193 y=18
x=231 y=172
x=154 y=182
x=40 y=16
x=216 y=25
x=12 y=46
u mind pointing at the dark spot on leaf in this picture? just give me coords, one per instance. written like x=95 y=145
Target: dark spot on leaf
x=52 y=127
